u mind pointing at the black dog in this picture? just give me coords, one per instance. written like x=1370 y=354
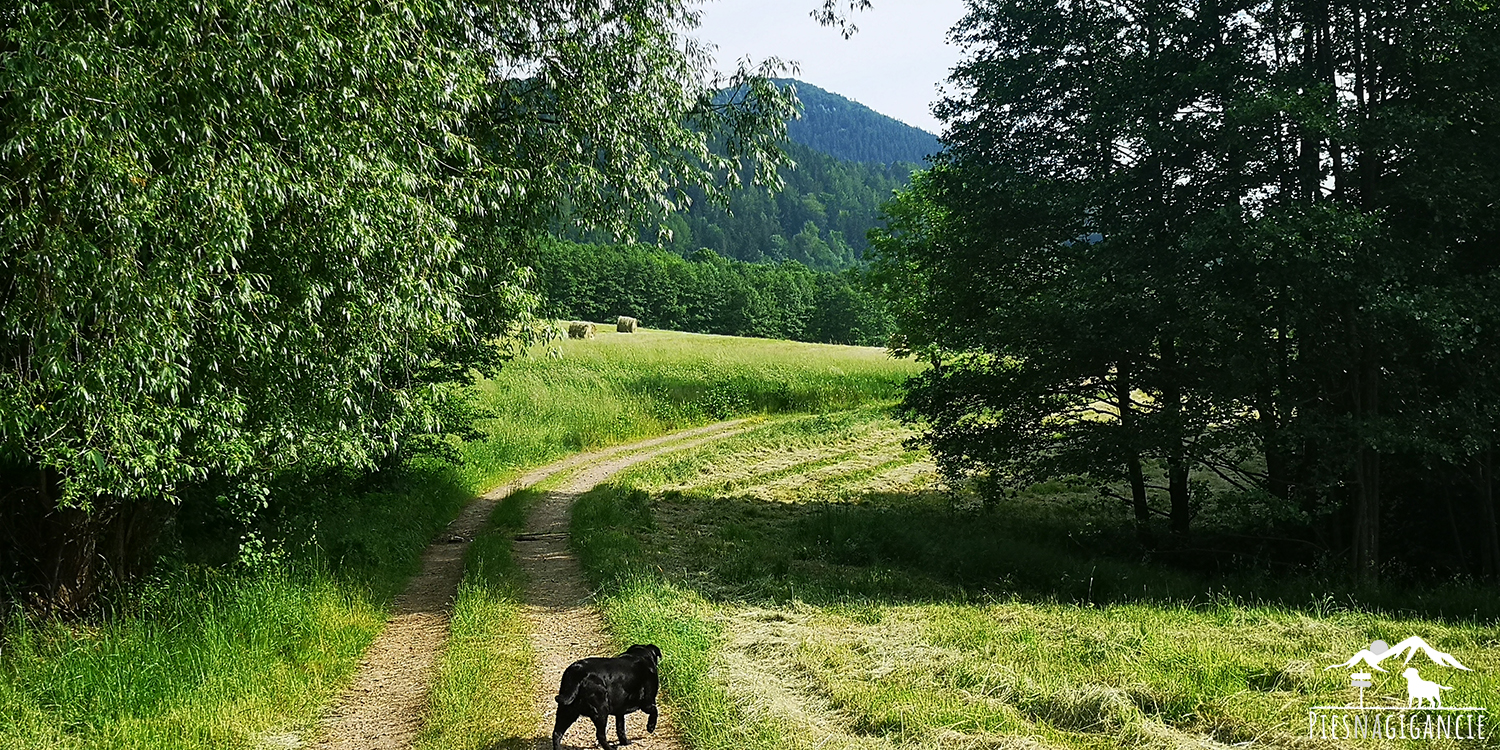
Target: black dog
x=600 y=688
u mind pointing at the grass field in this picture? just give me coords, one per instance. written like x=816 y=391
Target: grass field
x=211 y=654
x=812 y=588
x=574 y=395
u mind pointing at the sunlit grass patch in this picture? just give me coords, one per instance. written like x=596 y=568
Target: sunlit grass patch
x=831 y=443
x=203 y=660
x=888 y=616
x=574 y=395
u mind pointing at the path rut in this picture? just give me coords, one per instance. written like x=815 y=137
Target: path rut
x=384 y=707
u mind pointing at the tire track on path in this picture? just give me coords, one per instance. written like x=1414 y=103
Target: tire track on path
x=384 y=707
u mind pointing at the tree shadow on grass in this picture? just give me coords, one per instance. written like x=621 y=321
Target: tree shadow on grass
x=916 y=548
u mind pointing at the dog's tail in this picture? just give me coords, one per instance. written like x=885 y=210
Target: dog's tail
x=569 y=690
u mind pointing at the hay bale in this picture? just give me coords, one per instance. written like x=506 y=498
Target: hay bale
x=582 y=330
x=626 y=324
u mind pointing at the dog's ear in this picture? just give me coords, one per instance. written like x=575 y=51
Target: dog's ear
x=655 y=654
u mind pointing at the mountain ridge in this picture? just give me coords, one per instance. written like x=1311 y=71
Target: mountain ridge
x=845 y=129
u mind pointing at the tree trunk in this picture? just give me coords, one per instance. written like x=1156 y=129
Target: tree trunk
x=1177 y=489
x=1177 y=463
x=1138 y=493
x=1277 y=482
x=66 y=556
x=57 y=548
x=1367 y=479
x=1367 y=517
x=1126 y=406
x=69 y=547
x=1489 y=533
x=1278 y=479
x=1458 y=539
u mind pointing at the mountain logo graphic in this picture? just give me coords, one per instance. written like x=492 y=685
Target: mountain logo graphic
x=1425 y=714
x=1379 y=652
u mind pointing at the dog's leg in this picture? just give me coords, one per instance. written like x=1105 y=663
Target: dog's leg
x=651 y=720
x=566 y=715
x=601 y=729
x=620 y=729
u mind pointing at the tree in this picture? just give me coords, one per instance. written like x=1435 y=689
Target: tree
x=242 y=241
x=1056 y=272
x=707 y=293
x=1222 y=237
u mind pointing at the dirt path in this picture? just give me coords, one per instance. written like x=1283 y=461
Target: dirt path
x=383 y=708
x=564 y=626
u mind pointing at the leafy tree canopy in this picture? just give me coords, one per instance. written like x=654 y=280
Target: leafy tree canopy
x=239 y=239
x=1245 y=240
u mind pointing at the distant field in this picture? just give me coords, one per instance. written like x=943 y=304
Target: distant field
x=573 y=395
x=813 y=588
x=207 y=655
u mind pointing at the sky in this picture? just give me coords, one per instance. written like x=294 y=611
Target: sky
x=893 y=65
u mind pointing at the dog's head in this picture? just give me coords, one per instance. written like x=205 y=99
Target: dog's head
x=649 y=652
x=1409 y=673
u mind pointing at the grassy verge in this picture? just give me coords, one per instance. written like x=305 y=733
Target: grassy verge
x=612 y=389
x=838 y=601
x=228 y=655
x=263 y=651
x=210 y=654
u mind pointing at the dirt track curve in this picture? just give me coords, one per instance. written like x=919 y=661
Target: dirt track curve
x=383 y=709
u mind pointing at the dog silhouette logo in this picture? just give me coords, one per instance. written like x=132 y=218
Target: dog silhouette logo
x=1418 y=689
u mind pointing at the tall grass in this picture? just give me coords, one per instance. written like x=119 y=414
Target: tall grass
x=194 y=659
x=229 y=655
x=209 y=653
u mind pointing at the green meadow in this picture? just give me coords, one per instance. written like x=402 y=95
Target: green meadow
x=814 y=586
x=811 y=580
x=221 y=647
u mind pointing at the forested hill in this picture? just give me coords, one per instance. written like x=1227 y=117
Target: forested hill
x=849 y=160
x=818 y=219
x=848 y=130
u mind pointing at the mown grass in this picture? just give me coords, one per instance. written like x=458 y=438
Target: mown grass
x=865 y=610
x=209 y=653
